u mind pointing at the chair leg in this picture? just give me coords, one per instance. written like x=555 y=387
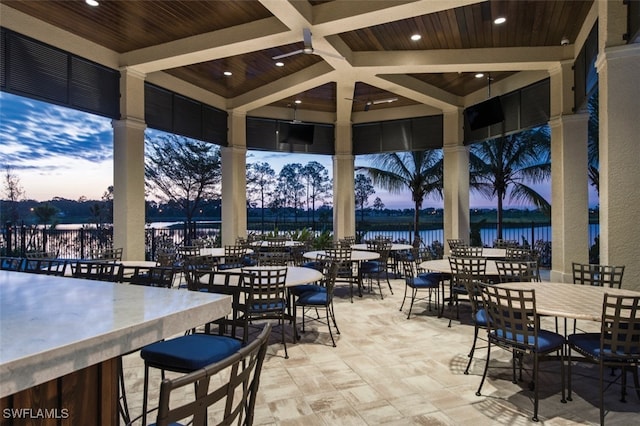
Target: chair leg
x=329 y=327
x=569 y=398
x=386 y=273
x=601 y=394
x=486 y=367
x=535 y=385
x=473 y=348
x=145 y=394
x=333 y=317
x=405 y=297
x=123 y=407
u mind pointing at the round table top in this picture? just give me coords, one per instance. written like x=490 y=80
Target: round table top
x=216 y=251
x=296 y=275
x=394 y=247
x=442 y=265
x=356 y=255
x=288 y=243
x=494 y=253
x=569 y=300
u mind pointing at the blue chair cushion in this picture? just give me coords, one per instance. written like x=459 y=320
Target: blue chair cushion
x=190 y=352
x=432 y=277
x=313 y=298
x=268 y=307
x=370 y=267
x=481 y=318
x=418 y=282
x=299 y=289
x=547 y=340
x=590 y=344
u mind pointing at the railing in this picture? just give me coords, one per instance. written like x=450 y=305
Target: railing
x=78 y=243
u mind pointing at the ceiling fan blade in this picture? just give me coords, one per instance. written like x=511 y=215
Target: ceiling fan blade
x=384 y=101
x=329 y=54
x=354 y=100
x=286 y=55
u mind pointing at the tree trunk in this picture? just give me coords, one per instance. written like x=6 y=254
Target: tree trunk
x=416 y=221
x=500 y=214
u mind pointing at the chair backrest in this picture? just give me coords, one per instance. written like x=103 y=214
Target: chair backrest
x=408 y=267
x=477 y=266
x=234 y=256
x=519 y=253
x=166 y=257
x=266 y=289
x=346 y=242
x=597 y=275
x=108 y=254
x=234 y=389
x=233 y=284
x=474 y=291
x=95 y=270
x=184 y=252
x=272 y=257
x=46 y=266
x=154 y=276
x=500 y=243
x=512 y=316
x=620 y=332
x=517 y=271
x=455 y=243
x=8 y=263
x=341 y=253
x=467 y=251
x=195 y=267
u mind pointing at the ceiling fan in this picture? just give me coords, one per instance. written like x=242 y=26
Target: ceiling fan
x=308 y=48
x=368 y=103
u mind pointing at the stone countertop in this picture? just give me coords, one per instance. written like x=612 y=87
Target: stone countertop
x=51 y=326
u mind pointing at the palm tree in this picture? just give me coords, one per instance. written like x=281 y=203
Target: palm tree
x=507 y=165
x=418 y=171
x=593 y=165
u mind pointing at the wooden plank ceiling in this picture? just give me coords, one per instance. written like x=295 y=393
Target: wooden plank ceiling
x=353 y=29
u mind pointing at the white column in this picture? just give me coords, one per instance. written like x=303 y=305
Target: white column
x=234 y=181
x=569 y=182
x=619 y=83
x=456 y=178
x=344 y=198
x=128 y=168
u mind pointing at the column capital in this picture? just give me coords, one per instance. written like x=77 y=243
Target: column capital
x=129 y=123
x=617 y=52
x=558 y=120
x=133 y=72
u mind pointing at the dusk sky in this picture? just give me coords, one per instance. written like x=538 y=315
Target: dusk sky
x=60 y=152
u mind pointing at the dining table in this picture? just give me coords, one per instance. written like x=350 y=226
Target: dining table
x=394 y=247
x=443 y=265
x=267 y=243
x=62 y=339
x=567 y=300
x=296 y=275
x=217 y=251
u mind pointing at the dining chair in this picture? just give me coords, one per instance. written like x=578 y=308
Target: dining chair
x=517 y=271
x=234 y=256
x=425 y=282
x=152 y=276
x=456 y=242
x=375 y=269
x=9 y=263
x=267 y=298
x=194 y=267
x=196 y=350
x=107 y=254
x=342 y=255
x=519 y=253
x=460 y=267
x=597 y=275
x=514 y=325
x=320 y=297
x=479 y=316
x=616 y=345
x=503 y=244
x=97 y=270
x=45 y=266
x=466 y=251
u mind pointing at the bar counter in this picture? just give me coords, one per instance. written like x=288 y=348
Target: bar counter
x=51 y=328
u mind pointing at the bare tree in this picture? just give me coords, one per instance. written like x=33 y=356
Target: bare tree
x=183 y=172
x=14 y=193
x=364 y=189
x=318 y=185
x=260 y=182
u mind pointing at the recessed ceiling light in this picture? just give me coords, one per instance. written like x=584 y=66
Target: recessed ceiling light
x=479 y=75
x=416 y=37
x=500 y=20
x=93 y=3
x=279 y=64
x=298 y=101
x=227 y=73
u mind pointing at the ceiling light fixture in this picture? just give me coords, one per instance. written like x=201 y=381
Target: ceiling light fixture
x=93 y=3
x=500 y=20
x=279 y=64
x=416 y=37
x=479 y=75
x=297 y=101
x=228 y=73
